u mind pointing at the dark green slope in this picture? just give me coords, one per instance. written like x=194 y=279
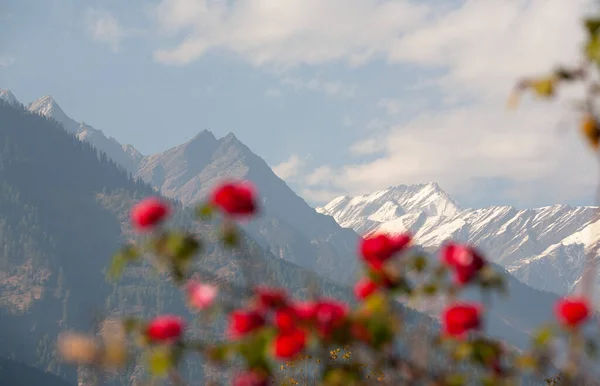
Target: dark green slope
x=63 y=214
x=17 y=374
x=55 y=237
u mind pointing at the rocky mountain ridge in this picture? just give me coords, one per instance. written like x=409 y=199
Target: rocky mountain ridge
x=544 y=247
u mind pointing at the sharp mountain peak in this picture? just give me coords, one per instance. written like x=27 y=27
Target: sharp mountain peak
x=7 y=96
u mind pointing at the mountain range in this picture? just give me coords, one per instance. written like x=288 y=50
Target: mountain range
x=295 y=238
x=64 y=211
x=287 y=226
x=543 y=247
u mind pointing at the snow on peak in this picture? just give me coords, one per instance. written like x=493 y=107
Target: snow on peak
x=47 y=106
x=544 y=247
x=124 y=155
x=8 y=97
x=368 y=212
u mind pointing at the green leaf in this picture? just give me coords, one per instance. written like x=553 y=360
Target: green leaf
x=420 y=263
x=543 y=87
x=489 y=381
x=456 y=380
x=484 y=351
x=131 y=324
x=341 y=376
x=116 y=267
x=565 y=74
x=160 y=361
x=182 y=246
x=526 y=362
x=121 y=259
x=592 y=26
x=375 y=303
x=205 y=211
x=402 y=286
x=542 y=336
x=254 y=348
x=230 y=237
x=178 y=270
x=592 y=50
x=430 y=289
x=463 y=351
x=380 y=329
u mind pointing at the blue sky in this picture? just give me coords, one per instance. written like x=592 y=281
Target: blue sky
x=340 y=97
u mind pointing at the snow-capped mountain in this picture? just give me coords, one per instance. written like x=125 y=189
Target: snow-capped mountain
x=367 y=213
x=544 y=247
x=9 y=97
x=124 y=155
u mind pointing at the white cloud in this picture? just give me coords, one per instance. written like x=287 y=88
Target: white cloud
x=367 y=146
x=458 y=146
x=289 y=168
x=319 y=195
x=481 y=47
x=286 y=32
x=485 y=46
x=6 y=60
x=319 y=176
x=104 y=28
x=335 y=89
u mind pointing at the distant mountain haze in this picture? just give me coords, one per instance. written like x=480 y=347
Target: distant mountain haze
x=124 y=155
x=287 y=225
x=64 y=211
x=292 y=230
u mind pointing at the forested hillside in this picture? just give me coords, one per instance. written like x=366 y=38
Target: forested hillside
x=17 y=374
x=63 y=214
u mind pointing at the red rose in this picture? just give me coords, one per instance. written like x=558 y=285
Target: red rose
x=286 y=319
x=287 y=345
x=148 y=213
x=271 y=297
x=364 y=288
x=329 y=315
x=165 y=328
x=460 y=318
x=571 y=312
x=376 y=250
x=235 y=198
x=244 y=322
x=201 y=296
x=400 y=242
x=464 y=260
x=305 y=310
x=250 y=378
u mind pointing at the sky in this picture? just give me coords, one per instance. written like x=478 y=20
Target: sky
x=338 y=96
